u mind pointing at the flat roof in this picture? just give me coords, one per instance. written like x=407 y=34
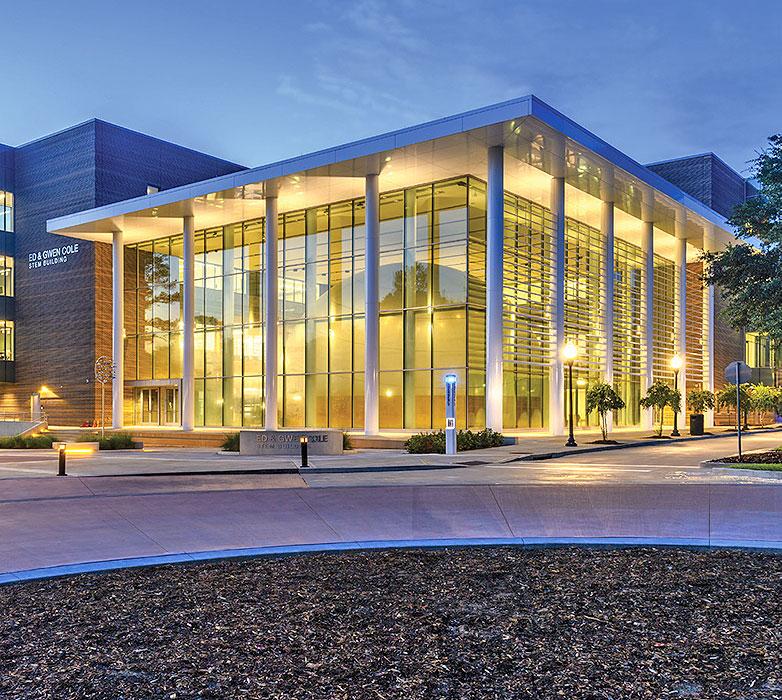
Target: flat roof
x=521 y=125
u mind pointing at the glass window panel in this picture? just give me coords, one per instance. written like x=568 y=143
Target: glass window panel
x=340 y=400
x=358 y=285
x=293 y=397
x=293 y=347
x=146 y=265
x=391 y=341
x=253 y=349
x=292 y=291
x=417 y=276
x=175 y=353
x=358 y=400
x=252 y=411
x=145 y=357
x=160 y=358
x=317 y=400
x=359 y=230
x=390 y=401
x=449 y=338
x=340 y=344
x=253 y=245
x=213 y=402
x=418 y=339
x=294 y=238
x=213 y=302
x=341 y=230
x=418 y=400
x=213 y=253
x=317 y=242
x=232 y=300
x=232 y=401
x=232 y=249
x=232 y=351
x=358 y=343
x=317 y=288
x=199 y=401
x=390 y=281
x=392 y=222
x=214 y=353
x=449 y=274
x=318 y=346
x=450 y=204
x=199 y=344
x=251 y=296
x=200 y=256
x=476 y=400
x=340 y=286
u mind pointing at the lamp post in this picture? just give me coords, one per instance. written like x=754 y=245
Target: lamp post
x=676 y=365
x=569 y=353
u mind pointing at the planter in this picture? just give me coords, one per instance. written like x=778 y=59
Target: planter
x=696 y=424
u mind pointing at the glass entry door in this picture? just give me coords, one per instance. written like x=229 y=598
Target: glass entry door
x=157 y=405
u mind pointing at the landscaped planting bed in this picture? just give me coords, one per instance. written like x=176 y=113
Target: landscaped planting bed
x=458 y=623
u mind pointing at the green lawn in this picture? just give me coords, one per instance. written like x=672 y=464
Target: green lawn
x=762 y=467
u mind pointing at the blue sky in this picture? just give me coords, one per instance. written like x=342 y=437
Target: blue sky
x=259 y=80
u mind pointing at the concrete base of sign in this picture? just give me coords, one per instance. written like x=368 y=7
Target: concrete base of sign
x=288 y=442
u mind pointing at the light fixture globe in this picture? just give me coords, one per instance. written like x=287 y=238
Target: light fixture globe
x=570 y=351
x=677 y=362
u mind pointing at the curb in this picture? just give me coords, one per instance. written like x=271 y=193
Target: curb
x=627 y=445
x=251 y=552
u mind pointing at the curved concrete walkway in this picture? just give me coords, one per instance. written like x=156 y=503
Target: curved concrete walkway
x=51 y=527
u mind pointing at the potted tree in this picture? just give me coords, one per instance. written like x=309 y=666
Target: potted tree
x=602 y=398
x=699 y=401
x=660 y=396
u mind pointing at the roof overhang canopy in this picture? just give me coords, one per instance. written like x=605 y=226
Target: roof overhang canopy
x=538 y=140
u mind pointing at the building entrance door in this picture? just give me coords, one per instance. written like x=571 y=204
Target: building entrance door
x=157 y=405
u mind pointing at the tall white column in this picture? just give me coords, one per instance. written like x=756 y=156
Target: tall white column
x=372 y=306
x=681 y=311
x=495 y=235
x=647 y=375
x=607 y=293
x=556 y=370
x=188 y=323
x=271 y=312
x=117 y=328
x=709 y=245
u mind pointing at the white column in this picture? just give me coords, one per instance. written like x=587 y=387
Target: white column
x=681 y=310
x=271 y=311
x=709 y=245
x=607 y=292
x=372 y=306
x=495 y=235
x=117 y=328
x=647 y=376
x=188 y=324
x=556 y=370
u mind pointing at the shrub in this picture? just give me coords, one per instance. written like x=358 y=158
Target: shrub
x=231 y=443
x=426 y=443
x=347 y=444
x=110 y=441
x=29 y=442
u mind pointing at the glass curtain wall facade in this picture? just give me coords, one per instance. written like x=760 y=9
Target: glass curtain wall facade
x=432 y=298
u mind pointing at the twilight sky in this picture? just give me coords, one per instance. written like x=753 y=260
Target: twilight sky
x=259 y=80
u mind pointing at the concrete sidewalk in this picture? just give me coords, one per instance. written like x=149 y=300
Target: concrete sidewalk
x=67 y=523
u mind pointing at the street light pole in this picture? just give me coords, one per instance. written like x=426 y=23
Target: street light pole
x=569 y=352
x=676 y=364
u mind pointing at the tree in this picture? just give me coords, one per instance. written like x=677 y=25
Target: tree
x=749 y=275
x=659 y=397
x=764 y=399
x=726 y=398
x=602 y=398
x=700 y=400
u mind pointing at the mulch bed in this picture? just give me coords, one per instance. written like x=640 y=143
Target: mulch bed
x=770 y=457
x=417 y=624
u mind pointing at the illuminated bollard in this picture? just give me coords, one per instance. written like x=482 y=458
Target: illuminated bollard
x=61 y=465
x=303 y=441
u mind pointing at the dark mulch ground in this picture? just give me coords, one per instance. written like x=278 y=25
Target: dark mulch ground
x=470 y=623
x=770 y=457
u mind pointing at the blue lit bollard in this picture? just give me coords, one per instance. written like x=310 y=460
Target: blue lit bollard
x=450 y=414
